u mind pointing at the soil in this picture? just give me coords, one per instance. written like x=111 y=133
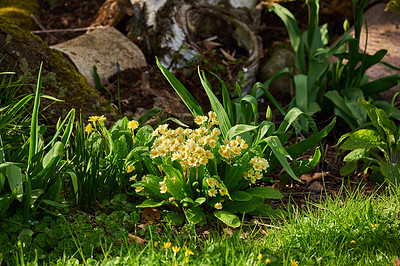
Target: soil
x=71 y=14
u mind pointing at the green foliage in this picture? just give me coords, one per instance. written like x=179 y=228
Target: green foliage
x=34 y=179
x=223 y=158
x=378 y=145
x=347 y=75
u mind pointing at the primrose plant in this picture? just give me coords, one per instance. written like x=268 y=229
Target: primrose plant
x=199 y=173
x=378 y=147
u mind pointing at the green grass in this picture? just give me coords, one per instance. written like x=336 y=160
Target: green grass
x=351 y=230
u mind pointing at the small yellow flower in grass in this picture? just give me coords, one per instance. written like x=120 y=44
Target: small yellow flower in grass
x=130 y=168
x=155 y=244
x=132 y=178
x=293 y=262
x=212 y=192
x=167 y=245
x=138 y=189
x=267 y=261
x=200 y=119
x=260 y=256
x=93 y=118
x=89 y=128
x=188 y=252
x=218 y=205
x=133 y=124
x=353 y=241
x=101 y=119
x=176 y=249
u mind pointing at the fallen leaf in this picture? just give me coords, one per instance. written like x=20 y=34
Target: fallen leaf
x=227 y=55
x=308 y=178
x=396 y=262
x=151 y=214
x=136 y=239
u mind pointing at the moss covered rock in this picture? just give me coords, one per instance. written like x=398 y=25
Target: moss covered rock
x=24 y=52
x=19 y=12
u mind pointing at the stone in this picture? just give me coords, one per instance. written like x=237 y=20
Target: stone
x=279 y=59
x=23 y=52
x=383 y=33
x=102 y=47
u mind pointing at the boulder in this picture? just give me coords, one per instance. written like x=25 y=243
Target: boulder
x=24 y=51
x=102 y=47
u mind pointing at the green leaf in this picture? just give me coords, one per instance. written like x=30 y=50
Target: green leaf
x=280 y=154
x=391 y=172
x=244 y=206
x=54 y=154
x=228 y=218
x=175 y=218
x=226 y=100
x=171 y=171
x=240 y=196
x=265 y=192
x=178 y=189
x=254 y=107
x=54 y=204
x=223 y=119
x=148 y=203
x=379 y=85
x=362 y=139
x=15 y=178
x=294 y=35
x=239 y=129
x=195 y=215
x=186 y=97
x=300 y=83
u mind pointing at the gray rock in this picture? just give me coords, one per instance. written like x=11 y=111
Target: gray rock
x=102 y=47
x=279 y=59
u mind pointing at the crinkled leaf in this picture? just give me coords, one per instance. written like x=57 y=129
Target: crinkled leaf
x=240 y=196
x=244 y=206
x=265 y=192
x=195 y=215
x=362 y=139
x=228 y=218
x=391 y=171
x=148 y=203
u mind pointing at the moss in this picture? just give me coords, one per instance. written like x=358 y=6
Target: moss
x=60 y=77
x=19 y=12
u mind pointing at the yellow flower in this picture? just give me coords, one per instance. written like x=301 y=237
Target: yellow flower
x=267 y=261
x=138 y=189
x=163 y=189
x=353 y=241
x=89 y=128
x=222 y=191
x=212 y=192
x=93 y=118
x=188 y=252
x=155 y=244
x=218 y=205
x=130 y=168
x=200 y=119
x=212 y=182
x=293 y=262
x=101 y=119
x=176 y=249
x=133 y=124
x=132 y=178
x=167 y=245
x=260 y=256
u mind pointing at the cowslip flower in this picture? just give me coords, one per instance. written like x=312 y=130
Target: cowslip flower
x=89 y=128
x=133 y=178
x=138 y=189
x=133 y=124
x=212 y=182
x=130 y=168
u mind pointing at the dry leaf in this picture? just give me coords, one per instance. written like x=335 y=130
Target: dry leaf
x=396 y=262
x=151 y=214
x=136 y=239
x=308 y=178
x=227 y=55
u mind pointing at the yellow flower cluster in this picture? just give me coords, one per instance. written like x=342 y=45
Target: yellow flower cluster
x=257 y=166
x=232 y=148
x=89 y=128
x=189 y=147
x=132 y=125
